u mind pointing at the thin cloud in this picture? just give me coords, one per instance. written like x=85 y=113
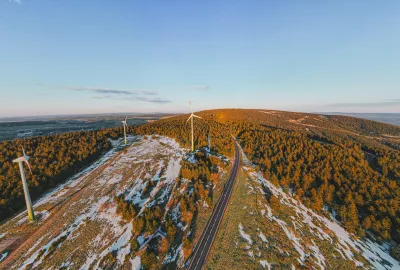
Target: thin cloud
x=149 y=93
x=115 y=94
x=153 y=100
x=139 y=98
x=15 y=1
x=102 y=90
x=106 y=91
x=200 y=87
x=102 y=97
x=390 y=102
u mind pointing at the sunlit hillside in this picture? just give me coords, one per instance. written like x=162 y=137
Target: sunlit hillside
x=313 y=191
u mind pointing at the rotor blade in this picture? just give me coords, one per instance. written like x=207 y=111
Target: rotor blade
x=189 y=117
x=23 y=150
x=29 y=166
x=196 y=116
x=126 y=117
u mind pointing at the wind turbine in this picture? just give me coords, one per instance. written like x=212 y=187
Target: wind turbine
x=125 y=126
x=20 y=160
x=191 y=118
x=209 y=142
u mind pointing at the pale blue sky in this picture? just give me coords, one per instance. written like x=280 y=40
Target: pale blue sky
x=62 y=57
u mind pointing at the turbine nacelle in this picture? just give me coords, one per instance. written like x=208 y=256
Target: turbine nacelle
x=191 y=116
x=24 y=158
x=124 y=121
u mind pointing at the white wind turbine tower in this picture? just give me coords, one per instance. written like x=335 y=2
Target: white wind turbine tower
x=20 y=160
x=191 y=118
x=125 y=127
x=209 y=142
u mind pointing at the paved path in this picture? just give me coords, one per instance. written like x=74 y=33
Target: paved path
x=205 y=242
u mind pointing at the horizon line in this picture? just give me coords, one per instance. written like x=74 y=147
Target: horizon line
x=177 y=113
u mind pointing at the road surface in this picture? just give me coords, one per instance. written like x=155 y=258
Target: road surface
x=205 y=242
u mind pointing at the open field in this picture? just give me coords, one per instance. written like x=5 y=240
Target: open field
x=23 y=129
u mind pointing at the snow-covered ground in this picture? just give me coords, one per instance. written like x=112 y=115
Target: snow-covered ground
x=80 y=225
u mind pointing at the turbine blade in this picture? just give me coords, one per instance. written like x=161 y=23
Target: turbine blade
x=196 y=116
x=189 y=117
x=29 y=166
x=23 y=151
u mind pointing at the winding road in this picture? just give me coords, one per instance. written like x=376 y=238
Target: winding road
x=203 y=247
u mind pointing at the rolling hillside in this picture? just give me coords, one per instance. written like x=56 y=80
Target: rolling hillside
x=314 y=191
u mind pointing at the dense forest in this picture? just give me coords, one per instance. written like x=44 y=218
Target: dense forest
x=348 y=166
x=336 y=176
x=53 y=159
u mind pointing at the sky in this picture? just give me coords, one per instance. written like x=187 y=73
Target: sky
x=73 y=57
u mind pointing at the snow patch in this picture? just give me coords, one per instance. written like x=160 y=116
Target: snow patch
x=265 y=264
x=263 y=238
x=245 y=235
x=3 y=256
x=135 y=262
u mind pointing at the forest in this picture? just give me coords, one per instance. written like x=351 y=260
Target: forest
x=342 y=165
x=336 y=176
x=53 y=159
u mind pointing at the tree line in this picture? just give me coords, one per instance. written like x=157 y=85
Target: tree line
x=53 y=159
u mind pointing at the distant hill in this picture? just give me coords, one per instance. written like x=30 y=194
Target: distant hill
x=388 y=118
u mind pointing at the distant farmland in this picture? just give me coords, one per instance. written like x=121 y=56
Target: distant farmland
x=28 y=128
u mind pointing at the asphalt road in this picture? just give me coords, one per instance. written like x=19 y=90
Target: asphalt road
x=206 y=240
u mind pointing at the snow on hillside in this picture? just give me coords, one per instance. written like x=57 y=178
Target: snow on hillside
x=320 y=228
x=84 y=227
